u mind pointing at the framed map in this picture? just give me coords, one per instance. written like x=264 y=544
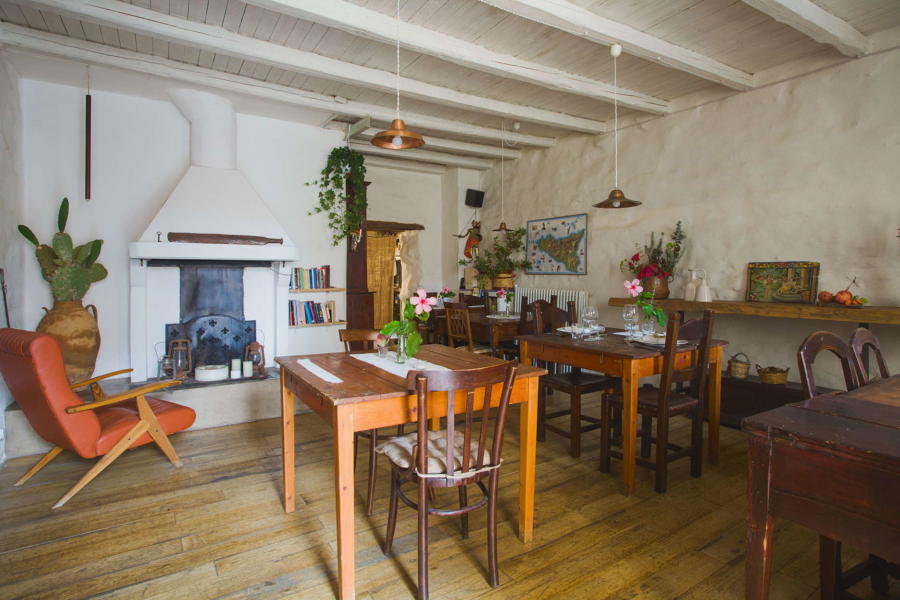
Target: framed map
x=557 y=246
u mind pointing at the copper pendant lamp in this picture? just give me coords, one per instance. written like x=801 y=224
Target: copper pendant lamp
x=616 y=198
x=502 y=226
x=398 y=137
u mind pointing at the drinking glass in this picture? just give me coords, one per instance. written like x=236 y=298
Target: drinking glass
x=591 y=317
x=648 y=327
x=630 y=315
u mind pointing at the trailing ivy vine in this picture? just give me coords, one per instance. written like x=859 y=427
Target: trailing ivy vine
x=345 y=212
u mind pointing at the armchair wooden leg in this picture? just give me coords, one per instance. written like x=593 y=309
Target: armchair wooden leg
x=121 y=446
x=40 y=465
x=464 y=518
x=423 y=540
x=156 y=431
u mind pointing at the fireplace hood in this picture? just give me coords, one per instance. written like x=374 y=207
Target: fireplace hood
x=213 y=197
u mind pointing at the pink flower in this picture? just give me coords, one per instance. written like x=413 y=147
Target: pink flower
x=422 y=302
x=381 y=340
x=501 y=293
x=634 y=287
x=445 y=290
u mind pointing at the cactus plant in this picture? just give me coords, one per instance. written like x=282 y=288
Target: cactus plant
x=69 y=270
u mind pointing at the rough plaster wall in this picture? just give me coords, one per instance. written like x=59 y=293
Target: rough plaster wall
x=803 y=170
x=11 y=254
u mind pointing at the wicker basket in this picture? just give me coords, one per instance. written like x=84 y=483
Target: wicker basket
x=738 y=368
x=772 y=375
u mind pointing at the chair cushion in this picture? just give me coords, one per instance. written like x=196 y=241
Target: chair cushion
x=399 y=450
x=117 y=419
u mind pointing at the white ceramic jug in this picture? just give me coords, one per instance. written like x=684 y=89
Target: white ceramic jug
x=690 y=288
x=703 y=292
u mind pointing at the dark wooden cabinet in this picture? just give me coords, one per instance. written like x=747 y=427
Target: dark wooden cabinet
x=744 y=397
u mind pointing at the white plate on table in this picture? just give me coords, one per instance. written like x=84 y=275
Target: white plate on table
x=588 y=331
x=656 y=340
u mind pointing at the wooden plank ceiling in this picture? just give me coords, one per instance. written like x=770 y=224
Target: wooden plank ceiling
x=469 y=67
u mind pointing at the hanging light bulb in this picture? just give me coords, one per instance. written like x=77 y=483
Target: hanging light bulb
x=502 y=226
x=616 y=198
x=398 y=137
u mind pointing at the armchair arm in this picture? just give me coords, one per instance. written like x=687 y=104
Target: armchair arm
x=86 y=382
x=140 y=391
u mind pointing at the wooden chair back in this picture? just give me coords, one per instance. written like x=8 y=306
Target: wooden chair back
x=459 y=326
x=358 y=339
x=479 y=458
x=696 y=374
x=547 y=317
x=861 y=340
x=526 y=326
x=814 y=344
x=473 y=302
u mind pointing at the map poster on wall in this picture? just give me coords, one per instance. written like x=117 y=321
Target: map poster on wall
x=558 y=246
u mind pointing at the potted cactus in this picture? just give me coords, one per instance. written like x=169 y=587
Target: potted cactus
x=70 y=270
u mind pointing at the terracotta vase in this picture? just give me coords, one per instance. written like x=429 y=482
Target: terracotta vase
x=504 y=280
x=79 y=336
x=659 y=286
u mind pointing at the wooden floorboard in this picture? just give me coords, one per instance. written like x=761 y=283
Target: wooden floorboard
x=216 y=529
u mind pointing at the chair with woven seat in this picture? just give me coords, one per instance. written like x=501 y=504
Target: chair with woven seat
x=834 y=581
x=364 y=339
x=463 y=454
x=547 y=318
x=32 y=366
x=664 y=402
x=459 y=328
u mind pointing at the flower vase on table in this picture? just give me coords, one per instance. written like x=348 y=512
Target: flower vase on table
x=505 y=297
x=409 y=339
x=644 y=302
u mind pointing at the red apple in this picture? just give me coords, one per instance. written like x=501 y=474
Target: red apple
x=825 y=297
x=843 y=297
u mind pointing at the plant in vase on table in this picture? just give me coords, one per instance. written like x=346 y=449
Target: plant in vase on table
x=654 y=264
x=505 y=299
x=644 y=302
x=444 y=295
x=406 y=329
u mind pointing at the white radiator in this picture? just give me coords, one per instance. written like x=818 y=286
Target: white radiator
x=580 y=297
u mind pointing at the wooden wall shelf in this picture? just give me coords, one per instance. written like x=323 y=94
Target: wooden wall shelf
x=316 y=290
x=317 y=324
x=886 y=315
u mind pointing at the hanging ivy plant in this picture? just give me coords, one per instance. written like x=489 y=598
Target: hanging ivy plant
x=345 y=212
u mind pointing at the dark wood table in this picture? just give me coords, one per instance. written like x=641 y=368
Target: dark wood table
x=485 y=329
x=370 y=398
x=614 y=356
x=831 y=463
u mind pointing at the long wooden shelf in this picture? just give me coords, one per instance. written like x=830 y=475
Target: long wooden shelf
x=302 y=325
x=315 y=290
x=886 y=315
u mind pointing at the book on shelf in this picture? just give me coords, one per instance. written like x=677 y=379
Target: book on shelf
x=312 y=278
x=307 y=312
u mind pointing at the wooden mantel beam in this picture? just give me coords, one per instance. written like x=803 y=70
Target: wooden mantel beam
x=571 y=18
x=811 y=19
x=114 y=13
x=99 y=54
x=374 y=25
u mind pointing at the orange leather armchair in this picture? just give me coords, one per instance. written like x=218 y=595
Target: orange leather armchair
x=32 y=365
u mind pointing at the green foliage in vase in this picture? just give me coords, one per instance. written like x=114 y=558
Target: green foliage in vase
x=506 y=255
x=407 y=326
x=345 y=211
x=70 y=270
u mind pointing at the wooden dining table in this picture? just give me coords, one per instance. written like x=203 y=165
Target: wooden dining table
x=367 y=397
x=491 y=329
x=613 y=355
x=830 y=463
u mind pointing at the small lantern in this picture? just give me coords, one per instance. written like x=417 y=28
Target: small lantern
x=255 y=353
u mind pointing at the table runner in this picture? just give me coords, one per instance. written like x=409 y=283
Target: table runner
x=391 y=365
x=318 y=371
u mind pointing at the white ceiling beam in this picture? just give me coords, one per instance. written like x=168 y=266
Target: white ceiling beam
x=374 y=25
x=440 y=158
x=404 y=165
x=456 y=146
x=571 y=18
x=816 y=22
x=136 y=19
x=99 y=54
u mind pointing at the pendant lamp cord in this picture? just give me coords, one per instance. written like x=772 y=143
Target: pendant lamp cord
x=397 y=85
x=502 y=148
x=616 y=119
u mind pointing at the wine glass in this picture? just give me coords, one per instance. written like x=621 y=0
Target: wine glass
x=630 y=315
x=591 y=317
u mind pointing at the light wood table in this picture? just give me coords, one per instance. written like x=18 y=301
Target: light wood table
x=612 y=355
x=370 y=398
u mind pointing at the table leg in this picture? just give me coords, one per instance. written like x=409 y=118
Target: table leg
x=760 y=523
x=287 y=446
x=714 y=397
x=629 y=424
x=343 y=478
x=527 y=459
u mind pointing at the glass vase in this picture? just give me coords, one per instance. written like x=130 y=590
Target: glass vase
x=401 y=349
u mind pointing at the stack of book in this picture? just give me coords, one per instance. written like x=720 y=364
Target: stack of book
x=311 y=279
x=311 y=313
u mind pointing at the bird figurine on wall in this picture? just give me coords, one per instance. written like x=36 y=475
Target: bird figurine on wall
x=473 y=239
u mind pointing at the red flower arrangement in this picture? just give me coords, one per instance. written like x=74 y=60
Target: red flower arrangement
x=656 y=260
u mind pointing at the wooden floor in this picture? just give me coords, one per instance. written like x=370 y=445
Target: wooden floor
x=216 y=528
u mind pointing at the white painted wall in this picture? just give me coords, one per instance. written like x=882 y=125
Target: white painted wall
x=12 y=252
x=802 y=170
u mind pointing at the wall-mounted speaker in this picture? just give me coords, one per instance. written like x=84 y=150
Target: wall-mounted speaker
x=474 y=198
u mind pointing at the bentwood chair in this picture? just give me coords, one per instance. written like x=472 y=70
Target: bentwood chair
x=365 y=340
x=463 y=454
x=459 y=328
x=664 y=402
x=832 y=578
x=32 y=366
x=547 y=318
